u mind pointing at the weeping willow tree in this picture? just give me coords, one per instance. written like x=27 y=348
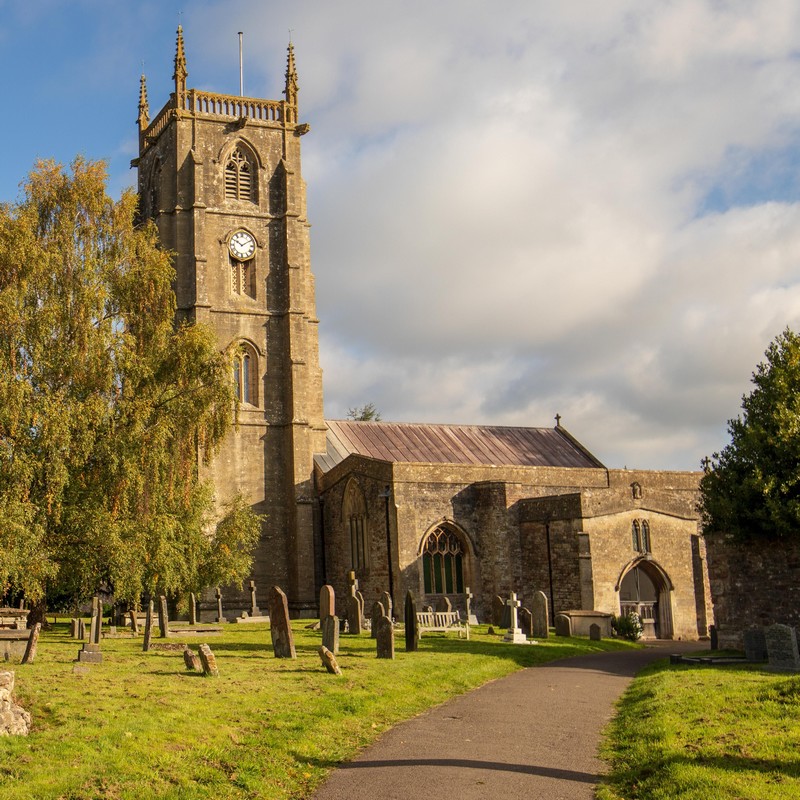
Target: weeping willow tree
x=105 y=405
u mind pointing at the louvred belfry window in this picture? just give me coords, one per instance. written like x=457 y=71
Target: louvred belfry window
x=239 y=177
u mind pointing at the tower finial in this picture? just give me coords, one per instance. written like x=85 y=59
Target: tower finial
x=180 y=69
x=144 y=108
x=291 y=79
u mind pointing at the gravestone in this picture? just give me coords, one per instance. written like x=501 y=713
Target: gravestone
x=192 y=609
x=386 y=599
x=90 y=652
x=81 y=629
x=73 y=628
x=192 y=660
x=713 y=636
x=594 y=632
x=385 y=638
x=755 y=644
x=327 y=602
x=410 y=617
x=163 y=617
x=209 y=661
x=33 y=641
x=782 y=647
x=498 y=610
x=353 y=615
x=563 y=625
x=526 y=621
x=218 y=595
x=444 y=604
x=148 y=626
x=360 y=598
x=134 y=622
x=280 y=629
x=255 y=611
x=377 y=612
x=541 y=620
x=329 y=661
x=14 y=720
x=468 y=596
x=514 y=634
x=330 y=633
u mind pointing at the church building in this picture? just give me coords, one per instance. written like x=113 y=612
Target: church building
x=435 y=509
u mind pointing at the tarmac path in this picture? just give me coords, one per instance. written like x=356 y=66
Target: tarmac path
x=533 y=734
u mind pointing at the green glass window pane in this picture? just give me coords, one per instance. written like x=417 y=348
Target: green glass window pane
x=448 y=574
x=426 y=572
x=437 y=574
x=459 y=575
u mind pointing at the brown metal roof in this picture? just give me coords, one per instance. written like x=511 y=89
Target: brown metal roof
x=454 y=444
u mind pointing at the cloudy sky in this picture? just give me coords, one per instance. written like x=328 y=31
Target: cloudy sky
x=519 y=209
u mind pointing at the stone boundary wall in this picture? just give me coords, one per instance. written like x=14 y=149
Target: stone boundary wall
x=756 y=583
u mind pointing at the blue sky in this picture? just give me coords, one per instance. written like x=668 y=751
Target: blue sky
x=518 y=209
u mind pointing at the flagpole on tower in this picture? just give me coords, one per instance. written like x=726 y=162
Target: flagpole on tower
x=241 y=69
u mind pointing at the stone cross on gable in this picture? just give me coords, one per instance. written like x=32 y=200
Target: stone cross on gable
x=513 y=604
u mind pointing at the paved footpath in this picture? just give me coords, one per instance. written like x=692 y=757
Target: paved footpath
x=533 y=734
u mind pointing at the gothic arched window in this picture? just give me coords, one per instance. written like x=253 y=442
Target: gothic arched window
x=636 y=536
x=443 y=562
x=245 y=372
x=240 y=176
x=355 y=518
x=640 y=535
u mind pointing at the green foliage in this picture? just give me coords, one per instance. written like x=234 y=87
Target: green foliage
x=365 y=413
x=694 y=733
x=104 y=403
x=753 y=486
x=628 y=626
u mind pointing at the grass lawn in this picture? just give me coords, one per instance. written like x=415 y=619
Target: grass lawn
x=140 y=726
x=706 y=733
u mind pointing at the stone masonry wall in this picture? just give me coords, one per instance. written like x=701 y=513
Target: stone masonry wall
x=755 y=583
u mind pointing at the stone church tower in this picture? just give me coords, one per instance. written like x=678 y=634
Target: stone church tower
x=220 y=175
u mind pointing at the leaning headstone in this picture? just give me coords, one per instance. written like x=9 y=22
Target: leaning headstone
x=218 y=594
x=378 y=611
x=33 y=641
x=280 y=629
x=330 y=633
x=713 y=636
x=563 y=625
x=148 y=627
x=412 y=630
x=192 y=660
x=353 y=614
x=384 y=638
x=755 y=644
x=163 y=617
x=526 y=621
x=134 y=622
x=327 y=602
x=209 y=661
x=329 y=661
x=386 y=599
x=444 y=604
x=192 y=609
x=594 y=632
x=540 y=616
x=782 y=647
x=498 y=609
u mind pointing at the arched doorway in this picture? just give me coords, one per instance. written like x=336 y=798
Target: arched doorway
x=646 y=589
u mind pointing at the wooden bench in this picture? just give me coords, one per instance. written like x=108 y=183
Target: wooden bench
x=440 y=621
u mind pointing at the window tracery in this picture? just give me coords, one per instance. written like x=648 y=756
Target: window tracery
x=443 y=562
x=239 y=176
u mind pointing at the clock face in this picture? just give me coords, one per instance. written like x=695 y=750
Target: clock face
x=242 y=245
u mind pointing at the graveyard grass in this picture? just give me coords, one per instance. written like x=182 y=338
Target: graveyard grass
x=141 y=726
x=694 y=733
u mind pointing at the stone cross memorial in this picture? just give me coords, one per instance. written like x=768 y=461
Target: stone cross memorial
x=468 y=596
x=514 y=634
x=90 y=652
x=280 y=629
x=218 y=595
x=255 y=611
